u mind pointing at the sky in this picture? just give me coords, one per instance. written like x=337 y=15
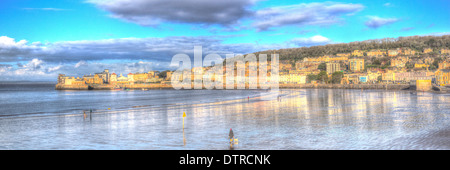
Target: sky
x=41 y=39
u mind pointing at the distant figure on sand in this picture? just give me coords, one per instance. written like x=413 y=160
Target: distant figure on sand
x=231 y=135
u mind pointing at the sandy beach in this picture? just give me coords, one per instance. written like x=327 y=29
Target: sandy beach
x=293 y=119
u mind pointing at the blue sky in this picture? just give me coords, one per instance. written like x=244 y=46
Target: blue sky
x=39 y=39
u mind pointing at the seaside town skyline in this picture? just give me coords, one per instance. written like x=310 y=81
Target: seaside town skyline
x=375 y=66
x=40 y=40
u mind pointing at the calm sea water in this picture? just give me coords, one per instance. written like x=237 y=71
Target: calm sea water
x=35 y=116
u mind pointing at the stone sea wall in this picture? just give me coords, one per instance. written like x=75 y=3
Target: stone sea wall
x=112 y=87
x=71 y=87
x=281 y=86
x=349 y=86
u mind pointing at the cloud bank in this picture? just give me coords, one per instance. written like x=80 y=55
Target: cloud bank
x=153 y=12
x=23 y=60
x=226 y=13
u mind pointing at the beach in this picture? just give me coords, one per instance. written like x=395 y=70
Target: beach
x=293 y=119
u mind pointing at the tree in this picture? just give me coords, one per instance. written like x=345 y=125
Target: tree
x=322 y=76
x=322 y=67
x=436 y=62
x=376 y=62
x=336 y=77
x=311 y=77
x=409 y=65
x=293 y=63
x=380 y=78
x=163 y=74
x=433 y=67
x=431 y=42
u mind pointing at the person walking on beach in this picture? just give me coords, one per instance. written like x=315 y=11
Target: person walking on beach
x=231 y=135
x=84 y=114
x=90 y=114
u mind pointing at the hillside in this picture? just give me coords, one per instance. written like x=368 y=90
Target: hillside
x=417 y=43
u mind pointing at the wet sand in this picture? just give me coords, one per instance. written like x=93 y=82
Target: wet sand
x=431 y=140
x=337 y=119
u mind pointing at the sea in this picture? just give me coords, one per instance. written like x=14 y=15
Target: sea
x=33 y=115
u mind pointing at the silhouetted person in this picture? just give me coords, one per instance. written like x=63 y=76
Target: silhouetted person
x=231 y=135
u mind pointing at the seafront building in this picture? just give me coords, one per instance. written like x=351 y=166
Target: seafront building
x=106 y=80
x=443 y=77
x=421 y=65
x=333 y=67
x=376 y=53
x=358 y=53
x=324 y=59
x=406 y=77
x=287 y=78
x=356 y=64
x=444 y=65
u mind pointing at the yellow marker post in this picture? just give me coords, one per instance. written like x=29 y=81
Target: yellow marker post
x=184 y=115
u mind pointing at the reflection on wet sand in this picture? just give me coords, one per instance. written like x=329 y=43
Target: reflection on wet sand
x=348 y=117
x=184 y=139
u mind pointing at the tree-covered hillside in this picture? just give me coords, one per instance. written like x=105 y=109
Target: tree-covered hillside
x=417 y=43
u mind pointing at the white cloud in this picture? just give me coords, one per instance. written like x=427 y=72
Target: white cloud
x=34 y=64
x=35 y=69
x=436 y=34
x=80 y=63
x=10 y=49
x=55 y=68
x=376 y=22
x=4 y=67
x=46 y=9
x=407 y=28
x=388 y=4
x=7 y=42
x=311 y=41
